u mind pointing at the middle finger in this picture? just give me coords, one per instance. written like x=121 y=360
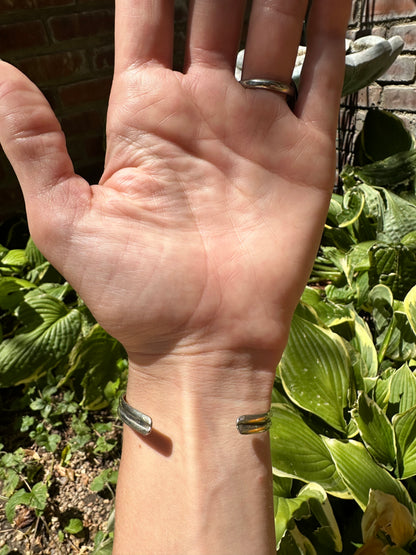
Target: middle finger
x=273 y=38
x=214 y=32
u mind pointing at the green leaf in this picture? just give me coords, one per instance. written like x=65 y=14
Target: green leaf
x=404 y=425
x=20 y=497
x=311 y=500
x=95 y=362
x=74 y=526
x=399 y=217
x=295 y=543
x=298 y=452
x=364 y=344
x=410 y=307
x=382 y=388
x=391 y=172
x=282 y=486
x=361 y=473
x=12 y=291
x=402 y=390
x=376 y=431
x=33 y=254
x=402 y=342
x=35 y=499
x=393 y=266
x=39 y=496
x=352 y=206
x=48 y=334
x=316 y=371
x=383 y=135
x=15 y=258
x=10 y=481
x=107 y=476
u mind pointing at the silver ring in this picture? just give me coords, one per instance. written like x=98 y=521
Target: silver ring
x=270 y=85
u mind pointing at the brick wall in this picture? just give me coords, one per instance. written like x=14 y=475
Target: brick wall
x=66 y=48
x=396 y=89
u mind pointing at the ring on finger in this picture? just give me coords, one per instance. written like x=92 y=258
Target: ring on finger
x=288 y=89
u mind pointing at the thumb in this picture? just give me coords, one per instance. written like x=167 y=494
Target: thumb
x=34 y=143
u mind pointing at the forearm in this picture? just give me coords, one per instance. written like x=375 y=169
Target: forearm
x=196 y=485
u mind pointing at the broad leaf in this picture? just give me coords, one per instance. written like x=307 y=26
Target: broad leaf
x=402 y=390
x=391 y=172
x=298 y=452
x=405 y=430
x=376 y=430
x=295 y=543
x=393 y=266
x=364 y=344
x=410 y=307
x=361 y=473
x=316 y=370
x=399 y=217
x=383 y=135
x=15 y=258
x=49 y=331
x=311 y=500
x=94 y=364
x=12 y=291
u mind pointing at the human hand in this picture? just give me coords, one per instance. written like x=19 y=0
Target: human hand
x=203 y=229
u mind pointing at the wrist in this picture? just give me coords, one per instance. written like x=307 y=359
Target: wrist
x=218 y=480
x=212 y=390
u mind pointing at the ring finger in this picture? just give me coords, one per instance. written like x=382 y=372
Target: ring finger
x=273 y=38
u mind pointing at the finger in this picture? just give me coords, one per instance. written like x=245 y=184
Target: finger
x=214 y=32
x=324 y=66
x=273 y=38
x=31 y=135
x=143 y=33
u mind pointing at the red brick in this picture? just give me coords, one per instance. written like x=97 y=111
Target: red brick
x=370 y=96
x=83 y=122
x=400 y=98
x=81 y=25
x=388 y=9
x=85 y=92
x=52 y=3
x=54 y=68
x=17 y=36
x=408 y=33
x=103 y=58
x=402 y=71
x=13 y=5
x=87 y=149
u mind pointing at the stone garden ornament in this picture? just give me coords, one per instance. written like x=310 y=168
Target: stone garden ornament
x=367 y=58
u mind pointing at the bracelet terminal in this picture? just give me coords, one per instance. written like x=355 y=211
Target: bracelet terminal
x=142 y=423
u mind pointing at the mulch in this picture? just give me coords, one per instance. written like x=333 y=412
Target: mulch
x=70 y=497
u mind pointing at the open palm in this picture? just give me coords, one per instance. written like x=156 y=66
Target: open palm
x=204 y=226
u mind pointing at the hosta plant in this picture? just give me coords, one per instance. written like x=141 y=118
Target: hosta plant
x=45 y=327
x=343 y=437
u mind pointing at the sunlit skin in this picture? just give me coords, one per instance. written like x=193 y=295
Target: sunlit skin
x=196 y=244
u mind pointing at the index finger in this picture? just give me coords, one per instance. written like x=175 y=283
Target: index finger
x=143 y=33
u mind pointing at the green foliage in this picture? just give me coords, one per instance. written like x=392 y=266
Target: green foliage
x=343 y=435
x=344 y=405
x=35 y=499
x=45 y=327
